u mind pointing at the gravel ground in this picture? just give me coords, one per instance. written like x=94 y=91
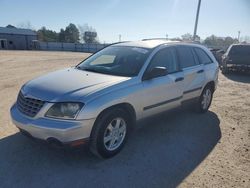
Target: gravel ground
x=181 y=148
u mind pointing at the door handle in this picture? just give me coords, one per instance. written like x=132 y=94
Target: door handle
x=200 y=71
x=179 y=79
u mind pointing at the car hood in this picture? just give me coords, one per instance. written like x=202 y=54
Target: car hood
x=68 y=85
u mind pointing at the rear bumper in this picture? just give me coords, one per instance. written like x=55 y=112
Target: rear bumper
x=63 y=131
x=236 y=65
x=232 y=63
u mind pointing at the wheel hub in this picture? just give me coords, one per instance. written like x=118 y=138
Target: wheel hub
x=206 y=99
x=114 y=134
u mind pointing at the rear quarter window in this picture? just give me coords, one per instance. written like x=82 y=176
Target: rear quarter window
x=202 y=56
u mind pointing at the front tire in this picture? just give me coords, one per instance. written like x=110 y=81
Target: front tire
x=205 y=99
x=110 y=133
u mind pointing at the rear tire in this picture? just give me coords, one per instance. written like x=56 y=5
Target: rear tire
x=224 y=70
x=110 y=133
x=205 y=100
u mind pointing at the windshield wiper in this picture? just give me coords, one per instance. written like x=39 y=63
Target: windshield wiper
x=87 y=69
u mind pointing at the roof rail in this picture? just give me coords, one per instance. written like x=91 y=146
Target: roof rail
x=176 y=40
x=155 y=39
x=193 y=42
x=119 y=42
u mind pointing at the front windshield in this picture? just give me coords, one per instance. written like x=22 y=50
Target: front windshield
x=116 y=60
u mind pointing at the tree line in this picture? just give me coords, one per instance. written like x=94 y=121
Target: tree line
x=71 y=34
x=87 y=34
x=210 y=41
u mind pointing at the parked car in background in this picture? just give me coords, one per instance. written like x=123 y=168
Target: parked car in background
x=99 y=101
x=237 y=57
x=218 y=53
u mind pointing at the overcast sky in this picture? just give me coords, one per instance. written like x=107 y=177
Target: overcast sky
x=133 y=19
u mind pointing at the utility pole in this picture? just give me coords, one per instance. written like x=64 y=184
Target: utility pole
x=166 y=36
x=120 y=38
x=196 y=20
x=238 y=36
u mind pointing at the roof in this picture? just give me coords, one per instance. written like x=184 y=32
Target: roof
x=17 y=31
x=144 y=43
x=154 y=43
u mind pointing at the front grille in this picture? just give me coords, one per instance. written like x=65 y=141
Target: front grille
x=28 y=106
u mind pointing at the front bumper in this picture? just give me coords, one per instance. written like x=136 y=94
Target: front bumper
x=64 y=131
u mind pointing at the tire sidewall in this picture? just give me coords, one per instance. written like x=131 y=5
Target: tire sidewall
x=201 y=98
x=224 y=70
x=101 y=126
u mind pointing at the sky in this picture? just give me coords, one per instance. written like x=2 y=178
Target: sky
x=132 y=19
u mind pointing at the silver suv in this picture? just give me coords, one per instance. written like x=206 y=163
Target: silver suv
x=99 y=101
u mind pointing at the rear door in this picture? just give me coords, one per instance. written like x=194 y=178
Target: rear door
x=207 y=63
x=194 y=75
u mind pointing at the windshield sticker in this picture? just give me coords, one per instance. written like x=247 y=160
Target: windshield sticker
x=141 y=50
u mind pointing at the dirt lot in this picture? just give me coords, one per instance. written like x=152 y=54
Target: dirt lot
x=182 y=149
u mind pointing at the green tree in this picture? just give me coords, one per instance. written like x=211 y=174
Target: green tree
x=47 y=35
x=71 y=33
x=61 y=36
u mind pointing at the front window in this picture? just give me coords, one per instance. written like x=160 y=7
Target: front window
x=116 y=60
x=165 y=58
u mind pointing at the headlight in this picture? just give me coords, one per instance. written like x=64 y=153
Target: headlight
x=67 y=110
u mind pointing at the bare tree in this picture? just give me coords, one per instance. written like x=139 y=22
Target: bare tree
x=25 y=25
x=86 y=28
x=245 y=39
x=219 y=42
x=187 y=37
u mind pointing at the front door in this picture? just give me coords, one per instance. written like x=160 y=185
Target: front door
x=163 y=93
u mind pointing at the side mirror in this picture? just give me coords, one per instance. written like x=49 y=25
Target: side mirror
x=155 y=72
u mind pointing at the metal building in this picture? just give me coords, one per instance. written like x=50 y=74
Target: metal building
x=17 y=39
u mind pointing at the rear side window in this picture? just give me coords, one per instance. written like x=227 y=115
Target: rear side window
x=165 y=58
x=202 y=56
x=186 y=57
x=240 y=50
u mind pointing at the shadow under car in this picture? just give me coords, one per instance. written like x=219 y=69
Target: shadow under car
x=161 y=153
